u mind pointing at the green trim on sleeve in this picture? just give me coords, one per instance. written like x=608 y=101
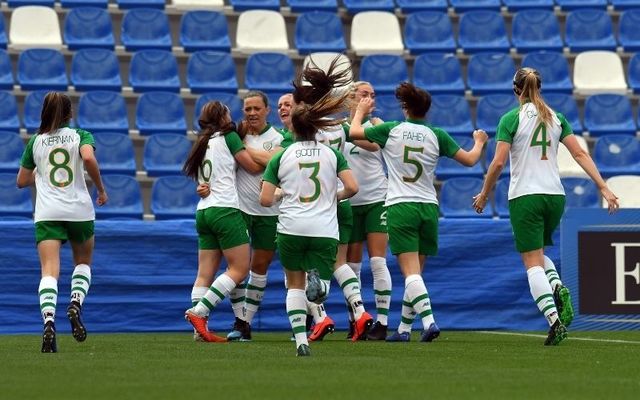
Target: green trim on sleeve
x=85 y=137
x=508 y=126
x=565 y=125
x=341 y=161
x=234 y=143
x=27 y=160
x=271 y=172
x=379 y=134
x=447 y=145
x=345 y=128
x=287 y=138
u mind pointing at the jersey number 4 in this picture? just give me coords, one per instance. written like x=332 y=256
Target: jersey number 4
x=315 y=169
x=541 y=130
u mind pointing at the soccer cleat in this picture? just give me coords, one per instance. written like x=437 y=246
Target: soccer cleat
x=562 y=297
x=399 y=337
x=378 y=332
x=78 y=330
x=241 y=331
x=430 y=334
x=49 y=338
x=303 y=351
x=200 y=325
x=361 y=327
x=351 y=330
x=322 y=329
x=557 y=333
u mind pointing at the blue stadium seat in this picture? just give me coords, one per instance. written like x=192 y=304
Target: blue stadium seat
x=534 y=30
x=9 y=113
x=244 y=5
x=356 y=6
x=160 y=112
x=299 y=6
x=3 y=34
x=633 y=76
x=501 y=197
x=204 y=30
x=273 y=118
x=384 y=71
x=309 y=38
x=11 y=148
x=209 y=71
x=388 y=108
x=42 y=69
x=32 y=110
x=617 y=155
x=490 y=73
x=580 y=192
x=126 y=4
x=145 y=28
x=6 y=72
x=608 y=113
x=14 y=202
x=232 y=101
x=410 y=6
x=84 y=3
x=517 y=5
x=429 y=31
x=114 y=152
x=269 y=72
x=456 y=197
x=165 y=154
x=483 y=31
x=174 y=197
x=154 y=70
x=568 y=5
x=438 y=73
x=449 y=168
x=125 y=200
x=451 y=113
x=553 y=68
x=620 y=5
x=565 y=104
x=461 y=6
x=95 y=69
x=490 y=152
x=20 y=3
x=629 y=34
x=102 y=111
x=589 y=29
x=88 y=27
x=490 y=109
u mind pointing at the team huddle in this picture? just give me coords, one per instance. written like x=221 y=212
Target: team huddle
x=317 y=191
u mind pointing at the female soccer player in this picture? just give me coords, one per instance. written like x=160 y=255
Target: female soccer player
x=53 y=160
x=411 y=150
x=221 y=228
x=530 y=135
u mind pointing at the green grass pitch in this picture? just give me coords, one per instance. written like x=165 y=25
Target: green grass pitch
x=468 y=365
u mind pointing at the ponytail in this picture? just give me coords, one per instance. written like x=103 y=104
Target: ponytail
x=307 y=119
x=526 y=85
x=56 y=112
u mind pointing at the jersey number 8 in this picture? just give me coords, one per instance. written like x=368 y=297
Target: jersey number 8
x=57 y=165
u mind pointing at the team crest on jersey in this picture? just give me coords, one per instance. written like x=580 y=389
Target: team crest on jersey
x=267 y=146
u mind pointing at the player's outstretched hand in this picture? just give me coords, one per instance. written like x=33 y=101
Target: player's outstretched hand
x=479 y=202
x=203 y=190
x=102 y=197
x=480 y=136
x=612 y=199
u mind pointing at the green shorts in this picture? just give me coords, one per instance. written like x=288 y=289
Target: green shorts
x=534 y=217
x=78 y=232
x=220 y=228
x=304 y=253
x=367 y=219
x=345 y=221
x=413 y=227
x=262 y=230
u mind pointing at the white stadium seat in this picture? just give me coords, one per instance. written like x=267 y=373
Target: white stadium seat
x=376 y=32
x=34 y=26
x=261 y=31
x=198 y=4
x=599 y=72
x=567 y=165
x=626 y=188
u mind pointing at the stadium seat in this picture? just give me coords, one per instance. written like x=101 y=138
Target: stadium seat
x=620 y=5
x=568 y=5
x=84 y=3
x=553 y=68
x=461 y=6
x=388 y=108
x=626 y=188
x=160 y=112
x=232 y=101
x=269 y=72
x=165 y=154
x=145 y=28
x=628 y=34
x=198 y=4
x=490 y=109
x=42 y=69
x=3 y=34
x=21 y=3
x=490 y=73
x=32 y=110
x=244 y=5
x=501 y=197
x=608 y=113
x=209 y=71
x=598 y=72
x=429 y=31
x=11 y=148
x=23 y=33
x=261 y=30
x=483 y=31
x=580 y=192
x=589 y=29
x=376 y=32
x=95 y=69
x=356 y=6
x=300 y=6
x=322 y=60
x=6 y=72
x=154 y=70
x=9 y=113
x=88 y=27
x=438 y=73
x=449 y=168
x=384 y=71
x=114 y=152
x=204 y=30
x=567 y=166
x=617 y=155
x=102 y=111
x=125 y=200
x=14 y=202
x=411 y=6
x=174 y=197
x=490 y=152
x=126 y=4
x=634 y=73
x=451 y=113
x=310 y=38
x=456 y=197
x=517 y=5
x=535 y=30
x=566 y=104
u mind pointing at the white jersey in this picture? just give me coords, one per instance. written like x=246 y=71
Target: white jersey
x=248 y=183
x=411 y=150
x=306 y=172
x=218 y=169
x=61 y=192
x=334 y=137
x=534 y=150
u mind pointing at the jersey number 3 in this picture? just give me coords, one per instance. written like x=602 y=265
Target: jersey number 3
x=315 y=167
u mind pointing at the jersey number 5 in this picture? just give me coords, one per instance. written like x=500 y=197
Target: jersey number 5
x=537 y=141
x=315 y=166
x=407 y=160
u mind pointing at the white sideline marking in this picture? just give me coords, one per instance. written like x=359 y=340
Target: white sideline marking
x=569 y=338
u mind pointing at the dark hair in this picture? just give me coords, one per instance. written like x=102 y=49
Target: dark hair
x=526 y=85
x=56 y=112
x=258 y=93
x=312 y=84
x=211 y=121
x=307 y=119
x=416 y=101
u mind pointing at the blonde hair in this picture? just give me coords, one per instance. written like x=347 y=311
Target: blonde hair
x=526 y=85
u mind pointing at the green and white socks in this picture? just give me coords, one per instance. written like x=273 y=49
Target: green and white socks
x=417 y=295
x=381 y=288
x=237 y=297
x=197 y=293
x=80 y=283
x=297 y=312
x=350 y=288
x=552 y=274
x=253 y=295
x=542 y=294
x=317 y=311
x=48 y=292
x=222 y=286
x=408 y=315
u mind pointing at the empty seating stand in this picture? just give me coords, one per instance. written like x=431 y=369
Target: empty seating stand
x=451 y=113
x=165 y=153
x=429 y=31
x=490 y=73
x=388 y=108
x=244 y=5
x=154 y=70
x=144 y=28
x=376 y=32
x=384 y=71
x=114 y=152
x=517 y=5
x=42 y=69
x=125 y=201
x=32 y=110
x=319 y=31
x=102 y=111
x=174 y=197
x=439 y=73
x=6 y=72
x=629 y=34
x=617 y=155
x=491 y=108
x=608 y=114
x=269 y=72
x=88 y=27
x=553 y=68
x=580 y=192
x=356 y=6
x=456 y=196
x=95 y=69
x=411 y=6
x=535 y=30
x=11 y=148
x=300 y=6
x=483 y=31
x=209 y=71
x=261 y=31
x=589 y=29
x=565 y=104
x=204 y=30
x=450 y=168
x=14 y=202
x=231 y=100
x=598 y=72
x=25 y=34
x=160 y=112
